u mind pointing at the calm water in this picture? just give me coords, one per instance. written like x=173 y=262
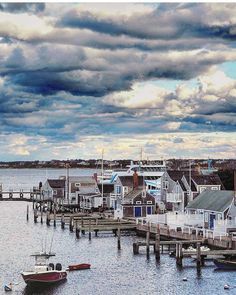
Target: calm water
x=113 y=272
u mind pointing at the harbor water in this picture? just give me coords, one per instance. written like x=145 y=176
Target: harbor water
x=112 y=271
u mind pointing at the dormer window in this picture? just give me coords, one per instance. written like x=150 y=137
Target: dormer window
x=77 y=184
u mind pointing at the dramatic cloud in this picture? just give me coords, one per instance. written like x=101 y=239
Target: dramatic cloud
x=160 y=76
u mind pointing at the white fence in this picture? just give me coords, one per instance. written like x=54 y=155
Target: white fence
x=221 y=227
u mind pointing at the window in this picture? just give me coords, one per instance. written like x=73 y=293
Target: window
x=214 y=188
x=118 y=189
x=149 y=202
x=77 y=184
x=138 y=202
x=165 y=184
x=55 y=192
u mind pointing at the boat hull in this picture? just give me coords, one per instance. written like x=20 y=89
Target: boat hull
x=225 y=264
x=44 y=278
x=79 y=266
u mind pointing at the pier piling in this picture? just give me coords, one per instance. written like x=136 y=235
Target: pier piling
x=54 y=217
x=157 y=246
x=118 y=238
x=148 y=241
x=198 y=255
x=35 y=216
x=135 y=248
x=48 y=218
x=41 y=213
x=89 y=229
x=62 y=221
x=71 y=224
x=77 y=230
x=27 y=213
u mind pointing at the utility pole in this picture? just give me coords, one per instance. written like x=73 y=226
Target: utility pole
x=102 y=173
x=190 y=178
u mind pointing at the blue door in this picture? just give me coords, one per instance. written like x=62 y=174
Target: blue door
x=138 y=211
x=212 y=218
x=149 y=210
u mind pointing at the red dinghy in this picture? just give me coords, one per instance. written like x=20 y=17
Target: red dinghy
x=44 y=273
x=79 y=266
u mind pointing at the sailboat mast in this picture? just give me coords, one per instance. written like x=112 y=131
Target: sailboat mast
x=102 y=173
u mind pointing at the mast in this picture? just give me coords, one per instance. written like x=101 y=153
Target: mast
x=67 y=181
x=102 y=173
x=190 y=197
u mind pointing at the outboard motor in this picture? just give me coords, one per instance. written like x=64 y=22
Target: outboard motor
x=58 y=266
x=51 y=265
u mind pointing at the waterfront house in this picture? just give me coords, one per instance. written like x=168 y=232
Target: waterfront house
x=213 y=205
x=54 y=189
x=107 y=191
x=138 y=203
x=80 y=185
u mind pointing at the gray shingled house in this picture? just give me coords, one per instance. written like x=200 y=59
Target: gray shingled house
x=218 y=204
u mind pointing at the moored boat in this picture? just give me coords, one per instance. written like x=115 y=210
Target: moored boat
x=225 y=264
x=44 y=273
x=80 y=266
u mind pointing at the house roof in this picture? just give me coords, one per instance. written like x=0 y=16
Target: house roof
x=128 y=180
x=82 y=179
x=178 y=174
x=107 y=188
x=182 y=185
x=212 y=200
x=133 y=194
x=56 y=183
x=213 y=179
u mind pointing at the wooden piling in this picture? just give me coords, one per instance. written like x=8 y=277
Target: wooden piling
x=89 y=229
x=148 y=241
x=157 y=246
x=118 y=238
x=54 y=217
x=77 y=230
x=27 y=213
x=180 y=259
x=71 y=224
x=96 y=232
x=198 y=255
x=48 y=218
x=35 y=216
x=62 y=221
x=41 y=214
x=177 y=253
x=135 y=248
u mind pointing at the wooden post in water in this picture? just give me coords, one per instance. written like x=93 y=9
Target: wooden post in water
x=118 y=238
x=89 y=229
x=27 y=213
x=62 y=221
x=48 y=218
x=148 y=240
x=198 y=255
x=54 y=216
x=71 y=224
x=35 y=216
x=41 y=213
x=177 y=253
x=135 y=248
x=157 y=246
x=77 y=230
x=180 y=258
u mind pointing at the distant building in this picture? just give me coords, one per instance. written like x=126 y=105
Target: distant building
x=54 y=189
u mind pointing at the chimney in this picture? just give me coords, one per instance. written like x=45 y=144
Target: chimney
x=135 y=180
x=95 y=176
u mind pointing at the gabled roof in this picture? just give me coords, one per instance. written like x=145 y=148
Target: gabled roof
x=212 y=200
x=82 y=179
x=128 y=180
x=56 y=183
x=182 y=185
x=213 y=179
x=107 y=188
x=133 y=194
x=178 y=174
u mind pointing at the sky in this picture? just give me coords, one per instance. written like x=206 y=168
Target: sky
x=79 y=78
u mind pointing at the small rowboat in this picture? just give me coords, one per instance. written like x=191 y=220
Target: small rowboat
x=8 y=288
x=79 y=266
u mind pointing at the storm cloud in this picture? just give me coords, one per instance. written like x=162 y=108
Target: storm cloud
x=73 y=73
